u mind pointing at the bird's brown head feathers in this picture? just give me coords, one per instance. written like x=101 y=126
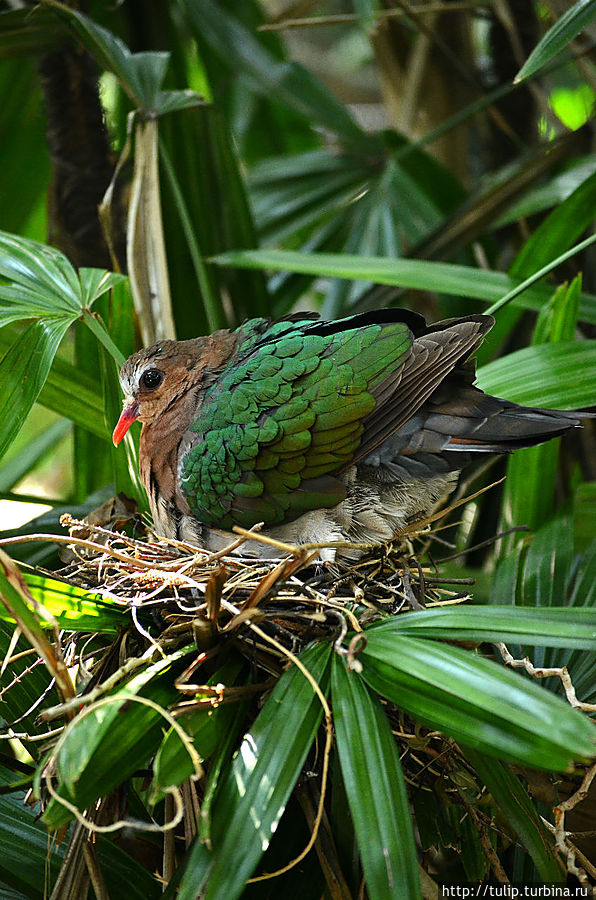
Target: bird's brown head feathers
x=154 y=378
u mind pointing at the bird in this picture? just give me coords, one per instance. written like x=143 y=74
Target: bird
x=322 y=431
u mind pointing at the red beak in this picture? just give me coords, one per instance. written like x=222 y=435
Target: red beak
x=127 y=417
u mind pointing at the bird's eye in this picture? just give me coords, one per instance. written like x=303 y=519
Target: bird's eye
x=151 y=379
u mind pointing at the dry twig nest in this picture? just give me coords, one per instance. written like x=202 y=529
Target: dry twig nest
x=208 y=597
x=267 y=609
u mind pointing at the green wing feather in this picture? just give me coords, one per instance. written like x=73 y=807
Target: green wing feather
x=284 y=418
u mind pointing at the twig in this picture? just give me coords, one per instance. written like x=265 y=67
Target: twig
x=562 y=838
x=30 y=738
x=104 y=550
x=535 y=672
x=247 y=534
x=95 y=873
x=62 y=709
x=486 y=543
x=350 y=18
x=485 y=842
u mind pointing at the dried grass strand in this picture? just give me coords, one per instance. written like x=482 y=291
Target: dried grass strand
x=78 y=542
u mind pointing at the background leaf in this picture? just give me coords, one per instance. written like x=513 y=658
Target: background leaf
x=581 y=14
x=286 y=82
x=508 y=793
x=23 y=373
x=445 y=278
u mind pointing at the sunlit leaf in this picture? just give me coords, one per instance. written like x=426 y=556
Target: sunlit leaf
x=75 y=608
x=476 y=701
x=376 y=790
x=557 y=376
x=23 y=373
x=259 y=783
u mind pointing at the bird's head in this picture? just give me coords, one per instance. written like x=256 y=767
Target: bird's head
x=154 y=378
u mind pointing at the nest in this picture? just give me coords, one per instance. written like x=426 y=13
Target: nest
x=268 y=609
x=194 y=595
x=175 y=595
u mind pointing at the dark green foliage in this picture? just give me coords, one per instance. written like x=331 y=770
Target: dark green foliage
x=376 y=792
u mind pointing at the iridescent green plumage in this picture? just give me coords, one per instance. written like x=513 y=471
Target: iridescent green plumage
x=324 y=431
x=284 y=417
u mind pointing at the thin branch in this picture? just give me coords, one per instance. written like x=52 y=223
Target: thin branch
x=535 y=672
x=350 y=18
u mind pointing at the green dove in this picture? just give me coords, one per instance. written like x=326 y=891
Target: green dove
x=322 y=431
